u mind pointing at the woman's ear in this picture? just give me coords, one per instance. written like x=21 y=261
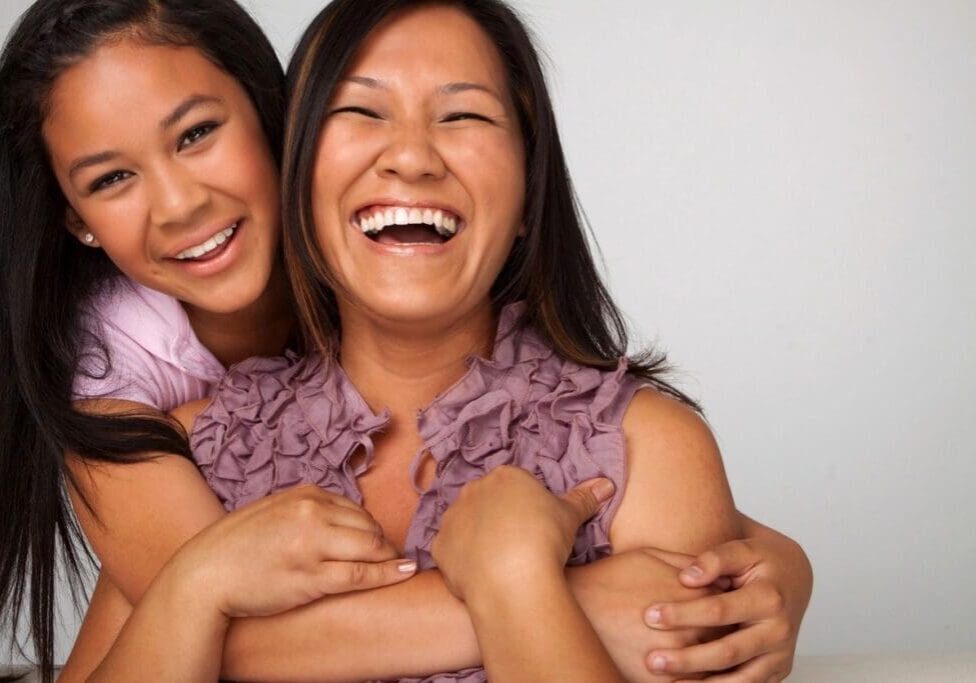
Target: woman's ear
x=77 y=227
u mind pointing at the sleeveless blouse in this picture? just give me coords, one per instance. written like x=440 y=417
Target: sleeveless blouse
x=275 y=423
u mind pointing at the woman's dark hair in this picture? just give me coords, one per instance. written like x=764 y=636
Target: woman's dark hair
x=46 y=276
x=551 y=268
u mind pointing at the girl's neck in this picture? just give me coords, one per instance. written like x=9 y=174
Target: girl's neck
x=404 y=368
x=261 y=329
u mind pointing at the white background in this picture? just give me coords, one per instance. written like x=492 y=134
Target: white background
x=784 y=193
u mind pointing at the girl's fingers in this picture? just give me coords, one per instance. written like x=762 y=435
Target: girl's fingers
x=734 y=558
x=718 y=655
x=342 y=516
x=348 y=544
x=344 y=577
x=767 y=669
x=756 y=601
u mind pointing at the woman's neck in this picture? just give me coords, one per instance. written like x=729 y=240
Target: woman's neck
x=261 y=329
x=405 y=367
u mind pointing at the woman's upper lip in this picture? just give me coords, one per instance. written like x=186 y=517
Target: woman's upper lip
x=407 y=203
x=201 y=235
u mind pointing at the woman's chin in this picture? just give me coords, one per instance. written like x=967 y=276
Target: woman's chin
x=421 y=310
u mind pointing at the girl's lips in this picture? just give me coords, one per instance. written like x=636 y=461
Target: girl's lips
x=217 y=260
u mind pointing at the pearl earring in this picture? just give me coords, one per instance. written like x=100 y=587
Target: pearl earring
x=89 y=238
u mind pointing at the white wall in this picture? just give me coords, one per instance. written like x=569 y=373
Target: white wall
x=784 y=194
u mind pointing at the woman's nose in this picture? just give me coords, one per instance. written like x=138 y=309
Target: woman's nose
x=411 y=155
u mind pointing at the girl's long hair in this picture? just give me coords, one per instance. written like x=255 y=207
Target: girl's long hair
x=46 y=276
x=552 y=268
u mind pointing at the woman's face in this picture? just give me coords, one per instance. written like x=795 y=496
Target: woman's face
x=419 y=179
x=162 y=158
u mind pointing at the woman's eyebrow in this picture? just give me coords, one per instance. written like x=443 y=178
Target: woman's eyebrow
x=464 y=86
x=446 y=89
x=367 y=82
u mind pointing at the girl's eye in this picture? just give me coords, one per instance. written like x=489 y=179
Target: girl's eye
x=108 y=180
x=362 y=111
x=466 y=116
x=196 y=134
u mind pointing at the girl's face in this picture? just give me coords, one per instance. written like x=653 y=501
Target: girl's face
x=162 y=158
x=422 y=140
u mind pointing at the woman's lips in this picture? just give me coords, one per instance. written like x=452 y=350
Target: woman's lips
x=408 y=224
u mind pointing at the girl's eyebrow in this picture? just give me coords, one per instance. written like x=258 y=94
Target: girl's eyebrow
x=170 y=120
x=91 y=160
x=185 y=107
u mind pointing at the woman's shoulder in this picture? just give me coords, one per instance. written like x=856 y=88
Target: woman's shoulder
x=654 y=417
x=675 y=471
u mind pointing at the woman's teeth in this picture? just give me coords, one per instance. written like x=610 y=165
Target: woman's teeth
x=208 y=246
x=374 y=222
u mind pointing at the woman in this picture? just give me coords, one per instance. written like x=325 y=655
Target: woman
x=423 y=149
x=43 y=329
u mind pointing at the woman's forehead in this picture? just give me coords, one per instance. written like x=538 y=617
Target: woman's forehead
x=434 y=45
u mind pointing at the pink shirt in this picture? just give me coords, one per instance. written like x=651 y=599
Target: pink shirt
x=156 y=358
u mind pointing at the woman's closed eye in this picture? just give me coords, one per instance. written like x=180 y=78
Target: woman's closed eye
x=466 y=116
x=196 y=134
x=352 y=109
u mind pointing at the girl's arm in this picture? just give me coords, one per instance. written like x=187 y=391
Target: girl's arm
x=772 y=581
x=275 y=554
x=413 y=628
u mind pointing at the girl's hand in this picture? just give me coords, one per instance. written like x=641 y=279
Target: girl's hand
x=288 y=549
x=508 y=526
x=275 y=554
x=613 y=593
x=770 y=581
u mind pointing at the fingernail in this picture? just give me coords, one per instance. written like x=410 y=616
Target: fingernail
x=692 y=572
x=658 y=664
x=653 y=615
x=408 y=567
x=603 y=489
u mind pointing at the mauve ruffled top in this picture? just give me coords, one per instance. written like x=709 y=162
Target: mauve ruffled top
x=275 y=423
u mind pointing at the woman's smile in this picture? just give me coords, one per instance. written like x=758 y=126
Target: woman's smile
x=419 y=176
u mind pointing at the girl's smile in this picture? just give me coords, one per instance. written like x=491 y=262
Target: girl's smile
x=163 y=160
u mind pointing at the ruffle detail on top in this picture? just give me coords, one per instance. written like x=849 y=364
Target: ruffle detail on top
x=278 y=422
x=527 y=407
x=275 y=423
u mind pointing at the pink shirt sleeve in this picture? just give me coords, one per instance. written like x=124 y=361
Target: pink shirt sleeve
x=141 y=347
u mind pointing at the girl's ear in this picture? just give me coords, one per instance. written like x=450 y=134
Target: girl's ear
x=77 y=227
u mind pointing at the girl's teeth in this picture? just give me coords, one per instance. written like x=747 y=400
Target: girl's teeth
x=416 y=216
x=208 y=246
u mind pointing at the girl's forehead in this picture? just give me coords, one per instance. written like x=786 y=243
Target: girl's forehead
x=130 y=87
